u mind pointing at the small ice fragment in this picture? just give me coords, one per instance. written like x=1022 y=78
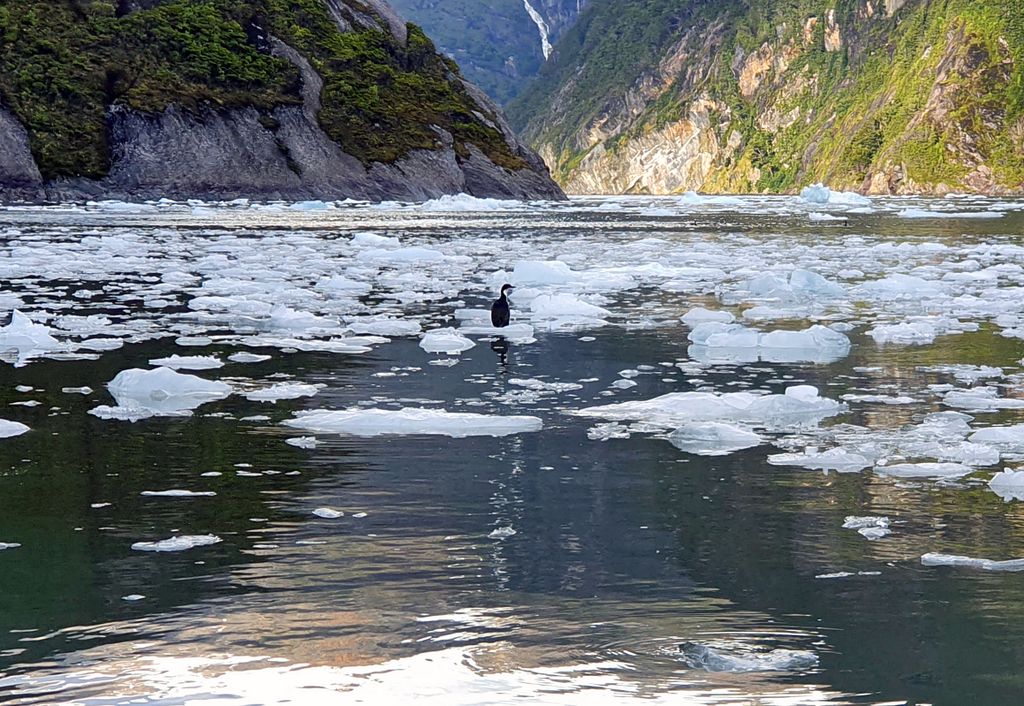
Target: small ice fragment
x=713 y=438
x=502 y=533
x=282 y=391
x=177 y=494
x=132 y=597
x=740 y=661
x=1009 y=485
x=410 y=420
x=623 y=384
x=384 y=326
x=700 y=315
x=8 y=545
x=935 y=559
x=248 y=358
x=359 y=515
x=178 y=543
x=76 y=390
x=925 y=470
x=328 y=513
x=9 y=429
x=24 y=388
x=302 y=442
x=189 y=362
x=211 y=474
x=446 y=340
x=99 y=506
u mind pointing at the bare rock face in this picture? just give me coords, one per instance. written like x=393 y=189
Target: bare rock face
x=282 y=154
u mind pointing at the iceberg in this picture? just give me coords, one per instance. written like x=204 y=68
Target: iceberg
x=9 y=429
x=409 y=421
x=445 y=340
x=799 y=405
x=713 y=439
x=178 y=543
x=935 y=559
x=160 y=392
x=26 y=339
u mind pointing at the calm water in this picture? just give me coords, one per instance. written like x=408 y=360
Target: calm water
x=624 y=550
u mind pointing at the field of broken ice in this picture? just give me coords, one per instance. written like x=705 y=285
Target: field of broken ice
x=724 y=440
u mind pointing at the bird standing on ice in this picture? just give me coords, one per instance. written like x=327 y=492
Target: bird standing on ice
x=501 y=313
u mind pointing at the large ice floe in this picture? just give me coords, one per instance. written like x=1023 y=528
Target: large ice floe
x=411 y=421
x=799 y=405
x=160 y=392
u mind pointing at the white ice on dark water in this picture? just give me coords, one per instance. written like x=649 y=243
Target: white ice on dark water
x=248 y=358
x=742 y=661
x=23 y=339
x=9 y=429
x=447 y=340
x=384 y=326
x=502 y=533
x=159 y=392
x=177 y=493
x=721 y=341
x=871 y=528
x=328 y=513
x=1009 y=485
x=8 y=545
x=282 y=391
x=302 y=442
x=379 y=422
x=925 y=470
x=935 y=559
x=191 y=362
x=713 y=438
x=178 y=543
x=799 y=405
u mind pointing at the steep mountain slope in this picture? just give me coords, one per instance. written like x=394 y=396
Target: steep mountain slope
x=500 y=44
x=883 y=96
x=291 y=98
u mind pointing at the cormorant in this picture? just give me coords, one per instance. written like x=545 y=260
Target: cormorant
x=501 y=314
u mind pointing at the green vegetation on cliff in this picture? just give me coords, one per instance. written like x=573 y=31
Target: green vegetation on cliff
x=64 y=63
x=921 y=95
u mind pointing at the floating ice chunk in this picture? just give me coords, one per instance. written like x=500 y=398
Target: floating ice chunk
x=907 y=333
x=545 y=386
x=816 y=217
x=1009 y=485
x=623 y=384
x=26 y=339
x=282 y=391
x=713 y=439
x=9 y=429
x=331 y=345
x=740 y=661
x=719 y=341
x=178 y=543
x=143 y=393
x=1007 y=438
x=8 y=545
x=898 y=286
x=367 y=239
x=190 y=362
x=981 y=399
x=879 y=399
x=533 y=272
x=821 y=194
x=328 y=513
x=558 y=311
x=871 y=528
x=934 y=559
x=970 y=374
x=341 y=285
x=838 y=459
x=516 y=333
x=604 y=432
x=813 y=337
x=465 y=202
x=177 y=494
x=800 y=404
x=925 y=470
x=922 y=213
x=502 y=533
x=248 y=358
x=401 y=256
x=378 y=422
x=700 y=315
x=722 y=335
x=384 y=326
x=288 y=319
x=311 y=206
x=133 y=597
x=302 y=442
x=238 y=306
x=445 y=340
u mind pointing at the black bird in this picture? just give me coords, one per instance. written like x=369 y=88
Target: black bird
x=501 y=314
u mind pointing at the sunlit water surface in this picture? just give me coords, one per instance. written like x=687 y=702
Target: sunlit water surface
x=630 y=558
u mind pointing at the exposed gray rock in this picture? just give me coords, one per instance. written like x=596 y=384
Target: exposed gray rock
x=17 y=168
x=284 y=154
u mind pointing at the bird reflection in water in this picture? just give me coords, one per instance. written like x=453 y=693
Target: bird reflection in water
x=500 y=346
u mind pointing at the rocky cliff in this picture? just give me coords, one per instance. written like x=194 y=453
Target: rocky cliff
x=261 y=98
x=500 y=44
x=881 y=96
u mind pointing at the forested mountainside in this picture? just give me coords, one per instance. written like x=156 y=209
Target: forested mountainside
x=287 y=98
x=500 y=44
x=882 y=96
